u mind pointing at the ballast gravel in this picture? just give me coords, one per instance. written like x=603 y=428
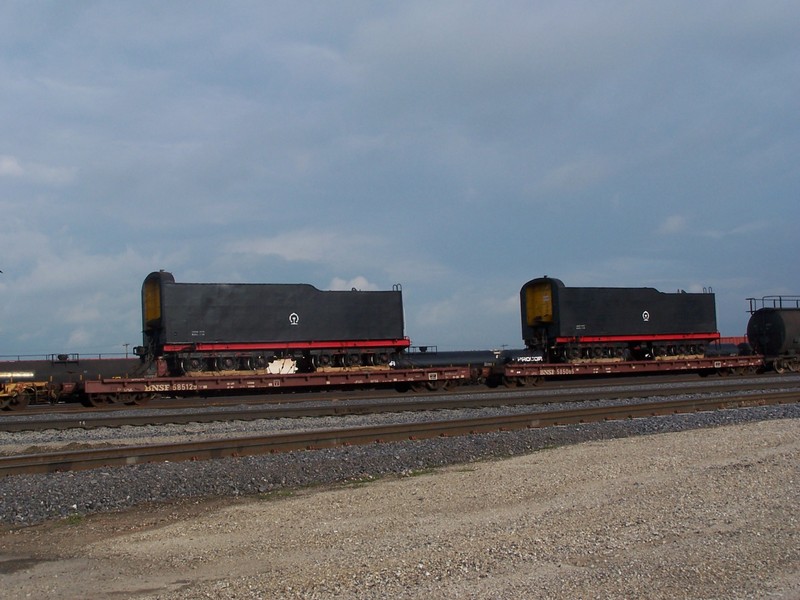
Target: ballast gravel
x=688 y=506
x=30 y=499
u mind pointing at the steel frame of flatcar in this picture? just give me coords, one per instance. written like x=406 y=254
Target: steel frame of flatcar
x=415 y=379
x=132 y=390
x=431 y=379
x=531 y=372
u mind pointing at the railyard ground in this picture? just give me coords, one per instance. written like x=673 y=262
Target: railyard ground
x=706 y=513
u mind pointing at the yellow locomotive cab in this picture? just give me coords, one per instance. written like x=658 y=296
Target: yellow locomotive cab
x=539 y=303
x=152 y=301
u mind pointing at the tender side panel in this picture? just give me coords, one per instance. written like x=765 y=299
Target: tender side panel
x=644 y=312
x=209 y=313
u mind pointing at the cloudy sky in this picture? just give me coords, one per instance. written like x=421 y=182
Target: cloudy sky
x=459 y=148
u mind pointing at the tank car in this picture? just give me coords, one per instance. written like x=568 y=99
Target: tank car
x=268 y=327
x=774 y=331
x=573 y=324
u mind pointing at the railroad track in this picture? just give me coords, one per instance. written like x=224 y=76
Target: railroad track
x=94 y=420
x=328 y=438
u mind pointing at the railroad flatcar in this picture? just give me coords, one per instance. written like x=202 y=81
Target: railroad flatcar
x=774 y=331
x=571 y=324
x=277 y=328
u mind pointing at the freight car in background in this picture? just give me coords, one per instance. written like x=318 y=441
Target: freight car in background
x=774 y=331
x=267 y=327
x=56 y=377
x=574 y=324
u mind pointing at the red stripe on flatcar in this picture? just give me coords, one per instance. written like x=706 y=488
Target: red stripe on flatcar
x=735 y=339
x=252 y=346
x=663 y=337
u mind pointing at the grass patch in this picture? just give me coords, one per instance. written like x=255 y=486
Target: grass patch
x=357 y=482
x=73 y=519
x=421 y=472
x=276 y=495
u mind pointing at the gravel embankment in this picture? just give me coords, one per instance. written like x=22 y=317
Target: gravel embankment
x=697 y=514
x=31 y=499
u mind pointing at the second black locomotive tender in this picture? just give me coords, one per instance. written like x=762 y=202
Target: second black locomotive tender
x=572 y=324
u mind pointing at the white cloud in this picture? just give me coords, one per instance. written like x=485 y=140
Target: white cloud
x=10 y=166
x=577 y=175
x=747 y=229
x=329 y=247
x=672 y=225
x=359 y=283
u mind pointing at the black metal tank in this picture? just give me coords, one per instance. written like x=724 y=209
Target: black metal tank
x=775 y=331
x=571 y=321
x=237 y=320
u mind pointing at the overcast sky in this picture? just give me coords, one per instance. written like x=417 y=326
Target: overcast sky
x=458 y=148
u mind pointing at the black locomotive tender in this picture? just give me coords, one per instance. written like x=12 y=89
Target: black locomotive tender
x=774 y=331
x=573 y=324
x=267 y=327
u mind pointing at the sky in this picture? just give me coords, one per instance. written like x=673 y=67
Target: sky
x=458 y=148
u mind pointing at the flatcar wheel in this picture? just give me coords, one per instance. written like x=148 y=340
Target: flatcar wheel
x=792 y=366
x=139 y=399
x=435 y=385
x=98 y=400
x=779 y=367
x=20 y=400
x=510 y=382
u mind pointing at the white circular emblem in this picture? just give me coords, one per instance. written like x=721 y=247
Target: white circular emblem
x=645 y=316
x=294 y=319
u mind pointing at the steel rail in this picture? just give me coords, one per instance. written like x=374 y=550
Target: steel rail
x=340 y=408
x=328 y=438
